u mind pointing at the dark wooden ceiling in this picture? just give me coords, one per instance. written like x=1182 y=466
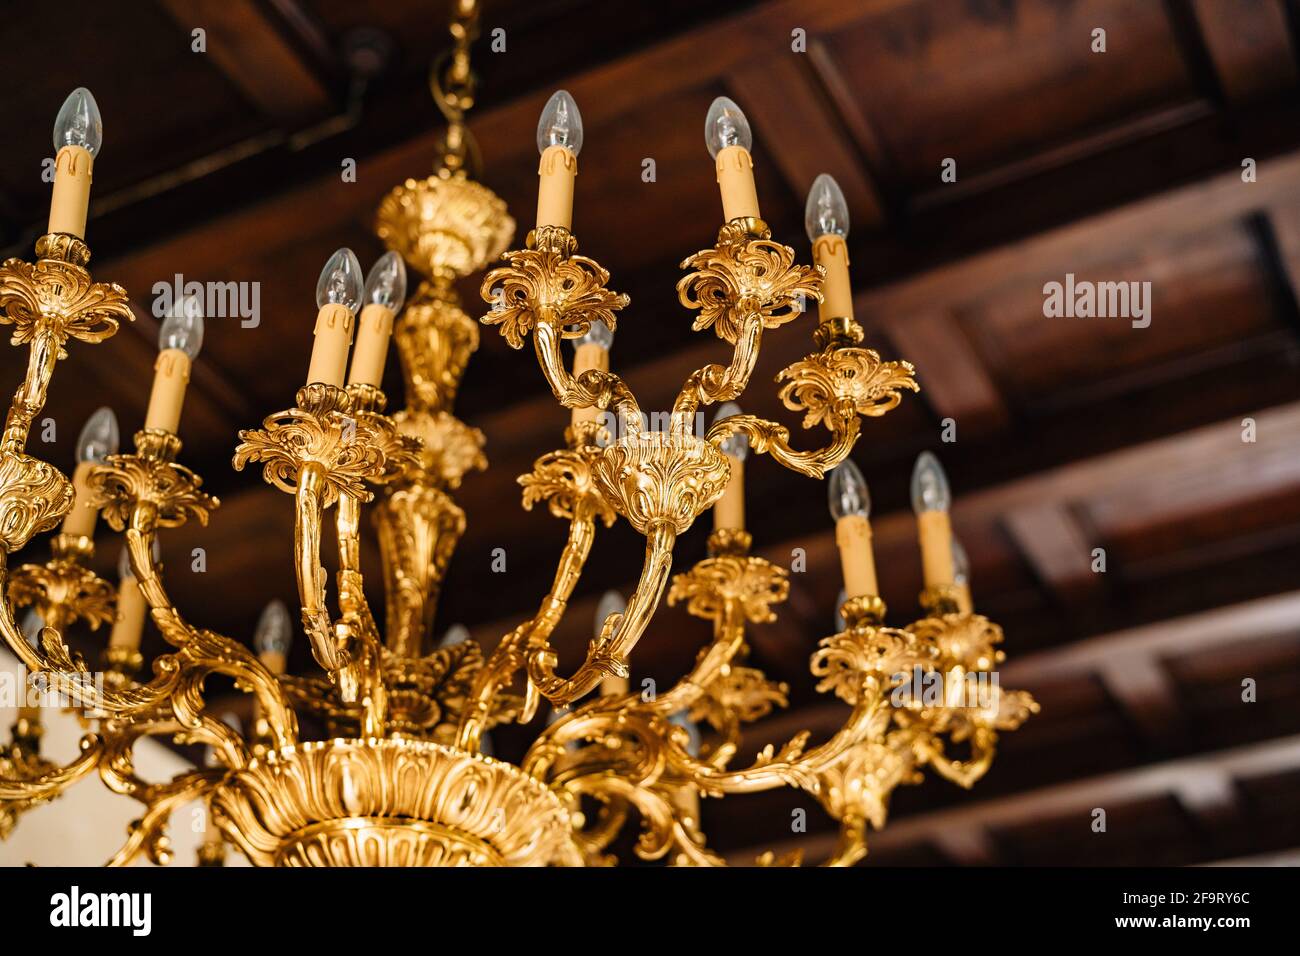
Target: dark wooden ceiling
x=1072 y=434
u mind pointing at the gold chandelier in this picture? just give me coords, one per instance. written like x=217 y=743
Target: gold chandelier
x=401 y=776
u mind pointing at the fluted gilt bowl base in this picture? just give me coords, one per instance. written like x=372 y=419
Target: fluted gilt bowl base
x=391 y=802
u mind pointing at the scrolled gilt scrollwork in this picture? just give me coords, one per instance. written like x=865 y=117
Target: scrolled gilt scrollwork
x=746 y=275
x=542 y=284
x=838 y=383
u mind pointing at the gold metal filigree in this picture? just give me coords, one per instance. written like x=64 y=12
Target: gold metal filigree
x=836 y=384
x=745 y=276
x=655 y=478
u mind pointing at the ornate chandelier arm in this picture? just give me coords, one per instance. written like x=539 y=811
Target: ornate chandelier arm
x=511 y=653
x=608 y=653
x=53 y=781
x=549 y=289
x=774 y=439
x=593 y=387
x=148 y=834
x=720 y=383
x=321 y=450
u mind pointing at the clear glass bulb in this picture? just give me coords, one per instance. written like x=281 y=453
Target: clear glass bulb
x=99 y=437
x=960 y=564
x=681 y=719
x=456 y=634
x=274 y=633
x=183 y=327
x=726 y=126
x=826 y=213
x=340 y=281
x=930 y=490
x=840 y=623
x=386 y=282
x=560 y=124
x=79 y=123
x=597 y=334
x=32 y=624
x=611 y=602
x=847 y=491
x=737 y=446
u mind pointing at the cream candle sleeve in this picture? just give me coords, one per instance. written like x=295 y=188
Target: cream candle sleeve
x=329 y=353
x=735 y=168
x=556 y=171
x=831 y=252
x=586 y=357
x=128 y=624
x=729 y=511
x=171 y=376
x=71 y=199
x=853 y=537
x=80 y=520
x=935 y=530
x=374 y=329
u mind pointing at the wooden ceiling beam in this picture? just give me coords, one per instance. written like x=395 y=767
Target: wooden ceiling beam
x=804 y=136
x=248 y=48
x=1247 y=46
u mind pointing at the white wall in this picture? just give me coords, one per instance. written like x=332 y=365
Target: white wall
x=87 y=825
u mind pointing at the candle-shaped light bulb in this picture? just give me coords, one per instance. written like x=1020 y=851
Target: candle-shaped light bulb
x=179 y=340
x=559 y=140
x=79 y=123
x=560 y=124
x=338 y=296
x=183 y=327
x=386 y=282
x=931 y=499
x=826 y=219
x=847 y=492
x=725 y=125
x=826 y=213
x=850 y=504
x=274 y=632
x=729 y=510
x=737 y=445
x=78 y=133
x=384 y=295
x=99 y=437
x=98 y=440
x=456 y=634
x=727 y=134
x=340 y=281
x=930 y=490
